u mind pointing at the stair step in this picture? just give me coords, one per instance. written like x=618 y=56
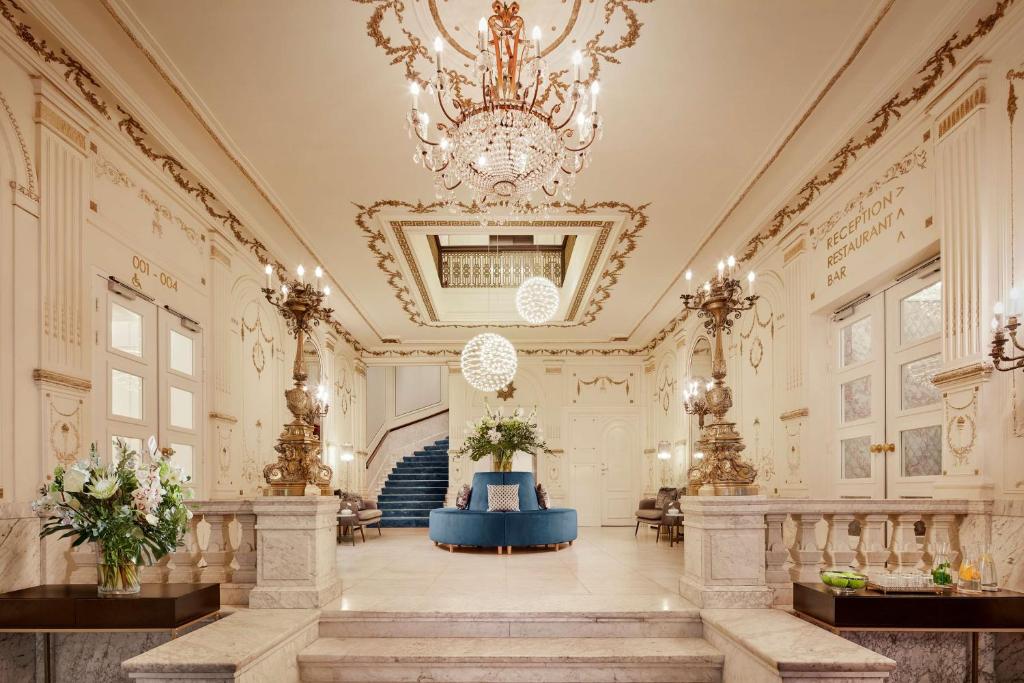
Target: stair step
x=585 y=623
x=409 y=497
x=410 y=504
x=510 y=660
x=421 y=467
x=439 y=484
x=417 y=476
x=409 y=512
x=401 y=522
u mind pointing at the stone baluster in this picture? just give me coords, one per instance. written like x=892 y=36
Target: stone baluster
x=905 y=552
x=775 y=556
x=182 y=565
x=872 y=550
x=838 y=552
x=940 y=531
x=215 y=550
x=244 y=559
x=807 y=556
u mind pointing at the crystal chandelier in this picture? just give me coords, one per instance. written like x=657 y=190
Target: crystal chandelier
x=505 y=146
x=537 y=300
x=489 y=362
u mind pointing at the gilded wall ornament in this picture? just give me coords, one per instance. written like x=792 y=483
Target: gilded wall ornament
x=29 y=189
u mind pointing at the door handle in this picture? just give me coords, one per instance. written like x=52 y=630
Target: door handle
x=882 y=448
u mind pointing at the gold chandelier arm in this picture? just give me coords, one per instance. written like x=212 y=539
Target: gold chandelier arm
x=444 y=109
x=449 y=189
x=575 y=103
x=590 y=141
x=416 y=130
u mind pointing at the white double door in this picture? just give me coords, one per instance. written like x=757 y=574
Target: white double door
x=147 y=375
x=604 y=454
x=887 y=412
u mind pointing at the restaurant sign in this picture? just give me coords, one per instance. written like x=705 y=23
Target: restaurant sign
x=875 y=230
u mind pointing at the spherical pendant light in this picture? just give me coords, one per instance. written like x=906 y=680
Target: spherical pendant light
x=537 y=300
x=489 y=362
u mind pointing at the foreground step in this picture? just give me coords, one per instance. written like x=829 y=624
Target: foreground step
x=511 y=660
x=526 y=624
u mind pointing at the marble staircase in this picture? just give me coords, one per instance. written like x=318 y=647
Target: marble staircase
x=584 y=646
x=416 y=485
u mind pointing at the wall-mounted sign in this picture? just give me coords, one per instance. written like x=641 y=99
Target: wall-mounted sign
x=874 y=231
x=140 y=266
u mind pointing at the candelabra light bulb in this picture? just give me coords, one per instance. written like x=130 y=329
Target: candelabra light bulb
x=577 y=57
x=284 y=289
x=721 y=267
x=327 y=290
x=995 y=324
x=536 y=33
x=414 y=88
x=482 y=25
x=698 y=455
x=301 y=272
x=750 y=277
x=998 y=309
x=438 y=44
x=689 y=275
x=319 y=271
x=731 y=262
x=707 y=286
x=595 y=87
x=269 y=269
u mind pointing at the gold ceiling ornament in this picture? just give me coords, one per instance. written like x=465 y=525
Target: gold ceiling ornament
x=298 y=462
x=506 y=145
x=636 y=220
x=616 y=28
x=931 y=72
x=722 y=470
x=507 y=392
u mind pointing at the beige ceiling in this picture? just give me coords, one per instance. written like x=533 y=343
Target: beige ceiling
x=694 y=112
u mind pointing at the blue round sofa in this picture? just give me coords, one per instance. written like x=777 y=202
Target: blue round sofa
x=478 y=527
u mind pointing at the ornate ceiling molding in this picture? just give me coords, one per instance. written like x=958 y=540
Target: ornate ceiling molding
x=387 y=262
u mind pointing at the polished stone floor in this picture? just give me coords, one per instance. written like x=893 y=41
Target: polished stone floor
x=405 y=568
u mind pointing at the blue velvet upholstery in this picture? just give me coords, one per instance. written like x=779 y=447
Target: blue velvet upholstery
x=477 y=527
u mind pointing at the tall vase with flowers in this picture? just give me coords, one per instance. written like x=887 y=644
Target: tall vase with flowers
x=501 y=436
x=134 y=512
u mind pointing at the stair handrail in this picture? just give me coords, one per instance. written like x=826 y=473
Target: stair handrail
x=395 y=428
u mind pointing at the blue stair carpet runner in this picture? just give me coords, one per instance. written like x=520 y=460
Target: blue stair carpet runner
x=415 y=486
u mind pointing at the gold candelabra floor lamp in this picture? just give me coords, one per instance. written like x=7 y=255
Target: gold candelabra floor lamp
x=298 y=461
x=720 y=302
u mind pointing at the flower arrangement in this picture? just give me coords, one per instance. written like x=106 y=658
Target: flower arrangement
x=133 y=511
x=500 y=436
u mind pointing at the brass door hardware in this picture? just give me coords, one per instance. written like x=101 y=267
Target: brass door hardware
x=883 y=448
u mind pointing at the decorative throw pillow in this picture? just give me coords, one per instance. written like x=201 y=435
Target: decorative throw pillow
x=503 y=497
x=542 y=497
x=462 y=500
x=666 y=494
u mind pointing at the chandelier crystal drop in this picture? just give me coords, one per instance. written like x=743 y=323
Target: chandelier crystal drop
x=489 y=362
x=537 y=300
x=504 y=145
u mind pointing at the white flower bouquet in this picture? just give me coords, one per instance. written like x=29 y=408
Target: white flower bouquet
x=500 y=437
x=135 y=512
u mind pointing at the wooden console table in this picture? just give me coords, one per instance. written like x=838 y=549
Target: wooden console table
x=870 y=610
x=77 y=608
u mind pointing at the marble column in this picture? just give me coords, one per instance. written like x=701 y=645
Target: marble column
x=296 y=552
x=724 y=553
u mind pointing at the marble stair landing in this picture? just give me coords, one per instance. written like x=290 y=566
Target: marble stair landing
x=581 y=638
x=458 y=660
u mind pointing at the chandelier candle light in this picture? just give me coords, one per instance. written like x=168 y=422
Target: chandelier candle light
x=298 y=462
x=721 y=470
x=505 y=145
x=1004 y=331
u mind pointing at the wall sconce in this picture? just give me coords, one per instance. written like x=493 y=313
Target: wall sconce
x=348 y=453
x=664 y=450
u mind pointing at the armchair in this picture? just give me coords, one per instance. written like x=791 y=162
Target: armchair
x=652 y=510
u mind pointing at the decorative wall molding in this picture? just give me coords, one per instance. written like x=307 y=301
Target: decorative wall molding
x=794 y=414
x=30 y=188
x=61 y=379
x=943 y=60
x=975 y=372
x=972 y=100
x=223 y=417
x=64 y=427
x=55 y=121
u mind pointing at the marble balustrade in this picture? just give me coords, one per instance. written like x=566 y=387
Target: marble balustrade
x=803 y=536
x=219 y=547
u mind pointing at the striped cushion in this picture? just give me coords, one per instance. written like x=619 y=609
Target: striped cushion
x=503 y=497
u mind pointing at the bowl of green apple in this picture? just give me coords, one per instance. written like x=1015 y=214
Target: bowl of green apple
x=843 y=581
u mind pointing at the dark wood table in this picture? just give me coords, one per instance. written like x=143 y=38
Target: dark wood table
x=870 y=610
x=66 y=608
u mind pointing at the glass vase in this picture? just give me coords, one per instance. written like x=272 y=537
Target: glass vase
x=987 y=568
x=968 y=578
x=114 y=578
x=502 y=462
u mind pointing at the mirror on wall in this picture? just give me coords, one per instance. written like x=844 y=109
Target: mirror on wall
x=699 y=369
x=315 y=376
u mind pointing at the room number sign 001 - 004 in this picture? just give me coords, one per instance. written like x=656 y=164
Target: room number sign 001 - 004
x=141 y=266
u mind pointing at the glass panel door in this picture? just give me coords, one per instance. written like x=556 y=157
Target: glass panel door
x=858 y=413
x=913 y=404
x=181 y=393
x=126 y=369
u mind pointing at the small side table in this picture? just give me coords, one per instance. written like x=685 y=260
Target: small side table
x=350 y=523
x=674 y=524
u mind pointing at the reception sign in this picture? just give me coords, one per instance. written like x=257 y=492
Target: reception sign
x=859 y=238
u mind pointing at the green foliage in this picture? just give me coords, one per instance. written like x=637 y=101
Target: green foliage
x=135 y=511
x=501 y=436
